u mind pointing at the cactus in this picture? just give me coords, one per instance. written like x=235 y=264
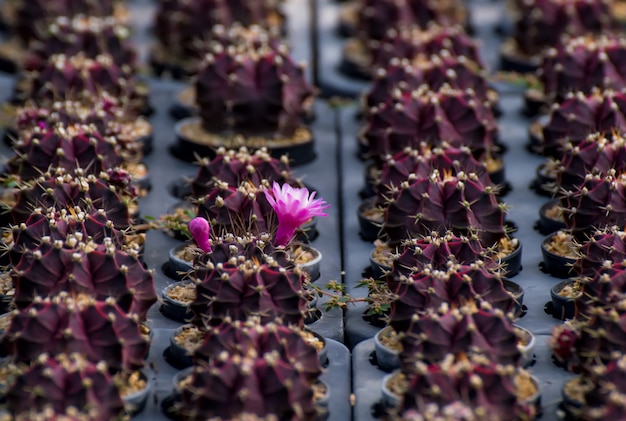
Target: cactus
x=57 y=225
x=417 y=44
x=596 y=154
x=66 y=147
x=455 y=117
x=99 y=270
x=89 y=35
x=478 y=388
x=434 y=70
x=235 y=167
x=437 y=251
x=81 y=78
x=579 y=116
x=603 y=288
x=260 y=370
x=241 y=288
x=605 y=245
x=542 y=23
x=444 y=202
x=184 y=29
x=98 y=330
x=251 y=339
x=263 y=91
x=582 y=64
x=431 y=337
x=411 y=164
x=375 y=16
x=242 y=210
x=585 y=344
x=33 y=16
x=65 y=387
x=599 y=201
x=604 y=396
x=428 y=290
x=66 y=191
x=103 y=114
x=235 y=387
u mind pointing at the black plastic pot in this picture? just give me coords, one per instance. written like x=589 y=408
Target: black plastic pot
x=518 y=295
x=534 y=102
x=136 y=402
x=387 y=358
x=378 y=269
x=177 y=268
x=369 y=189
x=555 y=265
x=178 y=356
x=188 y=149
x=180 y=110
x=173 y=309
x=535 y=134
x=569 y=403
x=369 y=229
x=513 y=262
x=562 y=307
x=513 y=63
x=547 y=225
x=354 y=70
x=542 y=181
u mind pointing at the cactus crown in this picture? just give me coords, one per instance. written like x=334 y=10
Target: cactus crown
x=252 y=88
x=432 y=290
x=414 y=42
x=604 y=392
x=541 y=23
x=444 y=202
x=604 y=247
x=99 y=330
x=597 y=154
x=411 y=164
x=81 y=78
x=184 y=29
x=76 y=267
x=578 y=343
x=65 y=386
x=433 y=70
x=431 y=337
x=89 y=35
x=241 y=288
x=434 y=117
x=61 y=190
x=64 y=146
x=33 y=15
x=260 y=369
x=104 y=114
x=375 y=16
x=252 y=339
x=599 y=201
x=241 y=210
x=582 y=64
x=572 y=120
x=478 y=388
x=235 y=167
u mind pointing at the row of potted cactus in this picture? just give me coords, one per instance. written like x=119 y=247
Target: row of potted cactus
x=442 y=245
x=578 y=93
x=75 y=338
x=245 y=292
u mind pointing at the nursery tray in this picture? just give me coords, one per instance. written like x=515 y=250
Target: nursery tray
x=165 y=169
x=368 y=379
x=337 y=175
x=520 y=168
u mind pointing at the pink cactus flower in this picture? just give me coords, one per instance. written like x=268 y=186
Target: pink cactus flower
x=293 y=206
x=200 y=230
